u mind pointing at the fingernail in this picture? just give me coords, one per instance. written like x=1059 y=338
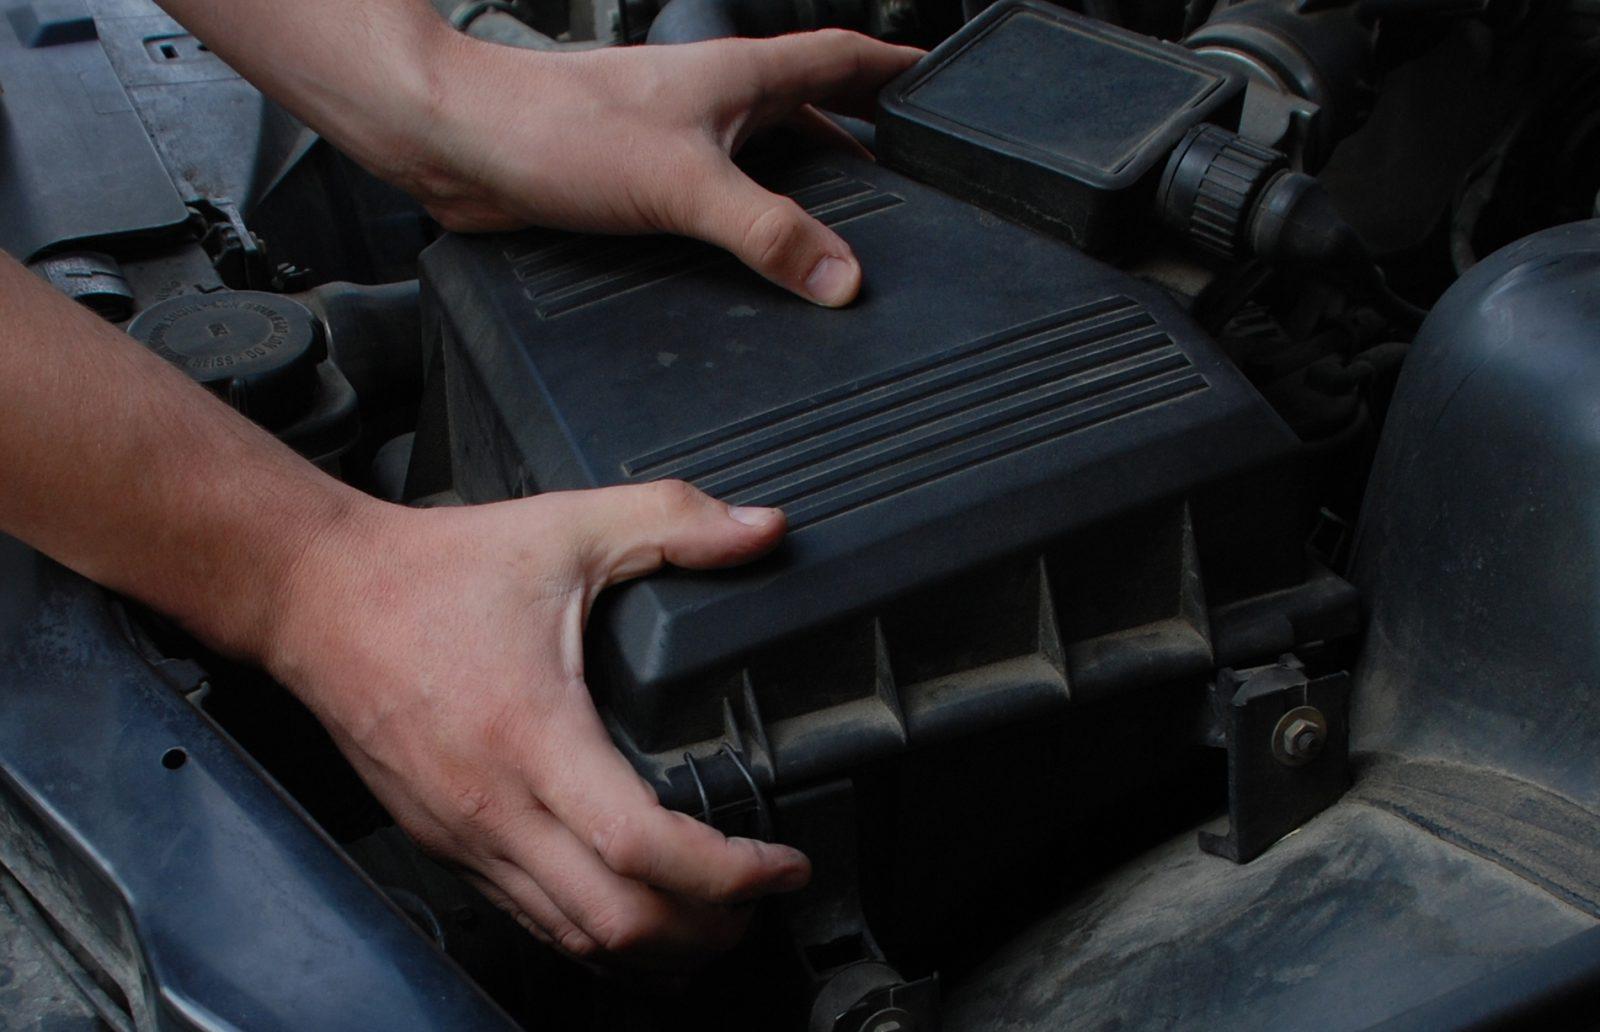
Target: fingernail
x=832 y=281
x=794 y=881
x=798 y=876
x=752 y=516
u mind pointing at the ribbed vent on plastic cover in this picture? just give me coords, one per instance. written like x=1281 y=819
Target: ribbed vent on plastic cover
x=564 y=272
x=967 y=405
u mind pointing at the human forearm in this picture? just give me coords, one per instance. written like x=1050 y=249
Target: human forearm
x=364 y=73
x=118 y=466
x=442 y=648
x=617 y=140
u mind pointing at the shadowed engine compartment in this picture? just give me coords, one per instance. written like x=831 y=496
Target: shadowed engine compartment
x=1185 y=615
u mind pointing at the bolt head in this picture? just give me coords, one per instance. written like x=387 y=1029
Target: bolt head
x=890 y=1019
x=1299 y=736
x=1304 y=739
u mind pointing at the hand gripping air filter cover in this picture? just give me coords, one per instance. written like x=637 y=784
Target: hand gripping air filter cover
x=990 y=391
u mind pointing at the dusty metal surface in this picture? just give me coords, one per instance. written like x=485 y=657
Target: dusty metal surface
x=35 y=995
x=1534 y=833
x=1310 y=934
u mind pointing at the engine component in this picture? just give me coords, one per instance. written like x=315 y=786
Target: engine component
x=1482 y=490
x=869 y=997
x=1210 y=187
x=968 y=446
x=1234 y=199
x=1295 y=222
x=91 y=712
x=63 y=98
x=1308 y=65
x=1053 y=119
x=1288 y=747
x=93 y=280
x=266 y=355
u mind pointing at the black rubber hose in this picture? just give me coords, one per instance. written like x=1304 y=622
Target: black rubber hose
x=693 y=21
x=1295 y=223
x=375 y=338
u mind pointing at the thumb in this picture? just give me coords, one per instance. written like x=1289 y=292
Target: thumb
x=629 y=531
x=774 y=236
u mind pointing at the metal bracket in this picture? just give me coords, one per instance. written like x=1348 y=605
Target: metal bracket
x=234 y=250
x=854 y=988
x=901 y=1007
x=1288 y=745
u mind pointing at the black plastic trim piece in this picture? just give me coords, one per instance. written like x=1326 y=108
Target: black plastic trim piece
x=201 y=890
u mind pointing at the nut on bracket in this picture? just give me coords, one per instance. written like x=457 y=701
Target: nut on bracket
x=1299 y=736
x=1287 y=737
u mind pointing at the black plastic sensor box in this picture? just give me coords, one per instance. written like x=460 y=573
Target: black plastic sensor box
x=1050 y=118
x=992 y=391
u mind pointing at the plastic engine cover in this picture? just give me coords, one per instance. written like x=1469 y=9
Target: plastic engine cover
x=991 y=391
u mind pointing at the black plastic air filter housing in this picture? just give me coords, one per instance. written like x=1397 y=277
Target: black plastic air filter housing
x=991 y=393
x=1050 y=118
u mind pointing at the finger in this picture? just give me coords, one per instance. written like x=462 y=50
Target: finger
x=528 y=906
x=503 y=884
x=832 y=68
x=587 y=784
x=629 y=531
x=825 y=132
x=774 y=236
x=624 y=918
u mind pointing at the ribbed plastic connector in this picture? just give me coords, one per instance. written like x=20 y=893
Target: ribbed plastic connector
x=1209 y=186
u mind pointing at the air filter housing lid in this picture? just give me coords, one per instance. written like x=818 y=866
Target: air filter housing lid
x=991 y=391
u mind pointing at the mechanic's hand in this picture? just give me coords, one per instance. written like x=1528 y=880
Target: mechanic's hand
x=443 y=648
x=638 y=139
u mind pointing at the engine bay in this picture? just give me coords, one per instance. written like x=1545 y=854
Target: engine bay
x=1104 y=671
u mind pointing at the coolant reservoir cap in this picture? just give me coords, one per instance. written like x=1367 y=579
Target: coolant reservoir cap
x=258 y=351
